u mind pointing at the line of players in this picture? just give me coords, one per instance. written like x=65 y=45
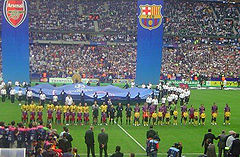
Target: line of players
x=151 y=114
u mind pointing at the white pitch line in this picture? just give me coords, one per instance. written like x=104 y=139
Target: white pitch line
x=131 y=137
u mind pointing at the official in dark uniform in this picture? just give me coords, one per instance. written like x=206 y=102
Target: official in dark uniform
x=207 y=137
x=63 y=97
x=82 y=97
x=89 y=140
x=103 y=140
x=119 y=112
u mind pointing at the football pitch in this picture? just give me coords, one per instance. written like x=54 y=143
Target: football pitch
x=132 y=139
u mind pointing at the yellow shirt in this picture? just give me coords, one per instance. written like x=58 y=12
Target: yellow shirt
x=27 y=108
x=196 y=114
x=40 y=108
x=60 y=107
x=137 y=114
x=56 y=108
x=23 y=107
x=203 y=115
x=86 y=109
x=48 y=106
x=175 y=113
x=65 y=108
x=52 y=106
x=32 y=107
x=103 y=108
x=214 y=115
x=79 y=109
x=227 y=114
x=167 y=115
x=154 y=115
x=185 y=114
x=160 y=114
x=72 y=108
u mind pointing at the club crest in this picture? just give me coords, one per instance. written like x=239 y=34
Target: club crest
x=15 y=12
x=150 y=16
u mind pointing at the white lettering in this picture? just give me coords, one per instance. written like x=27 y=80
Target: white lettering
x=15 y=5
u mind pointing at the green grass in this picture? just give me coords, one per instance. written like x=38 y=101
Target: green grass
x=190 y=136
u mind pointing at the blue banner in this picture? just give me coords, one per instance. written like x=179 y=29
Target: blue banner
x=15 y=41
x=149 y=41
x=75 y=90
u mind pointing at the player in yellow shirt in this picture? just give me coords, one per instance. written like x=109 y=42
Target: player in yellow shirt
x=103 y=109
x=73 y=107
x=32 y=106
x=227 y=117
x=154 y=117
x=175 y=115
x=196 y=116
x=86 y=113
x=136 y=118
x=52 y=106
x=48 y=106
x=167 y=116
x=65 y=109
x=214 y=118
x=203 y=117
x=160 y=118
x=79 y=110
x=185 y=115
x=23 y=107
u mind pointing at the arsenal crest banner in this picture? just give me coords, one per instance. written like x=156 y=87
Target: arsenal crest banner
x=15 y=40
x=149 y=41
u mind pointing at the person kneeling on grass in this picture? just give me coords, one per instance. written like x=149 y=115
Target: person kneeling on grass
x=152 y=147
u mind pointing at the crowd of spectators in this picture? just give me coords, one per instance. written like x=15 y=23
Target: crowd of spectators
x=209 y=60
x=181 y=17
x=90 y=61
x=65 y=21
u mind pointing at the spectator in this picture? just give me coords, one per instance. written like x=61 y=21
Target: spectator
x=75 y=152
x=49 y=152
x=235 y=148
x=230 y=139
x=152 y=147
x=211 y=152
x=117 y=152
x=64 y=144
x=68 y=153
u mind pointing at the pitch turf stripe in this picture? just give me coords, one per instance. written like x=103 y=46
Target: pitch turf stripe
x=131 y=137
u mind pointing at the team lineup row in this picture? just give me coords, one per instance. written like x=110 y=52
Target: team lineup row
x=149 y=114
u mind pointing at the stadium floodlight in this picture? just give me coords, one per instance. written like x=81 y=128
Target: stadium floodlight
x=13 y=152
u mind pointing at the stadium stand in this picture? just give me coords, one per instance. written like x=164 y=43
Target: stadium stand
x=208 y=29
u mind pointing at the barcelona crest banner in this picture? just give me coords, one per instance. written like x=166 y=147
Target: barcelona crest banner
x=149 y=41
x=15 y=40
